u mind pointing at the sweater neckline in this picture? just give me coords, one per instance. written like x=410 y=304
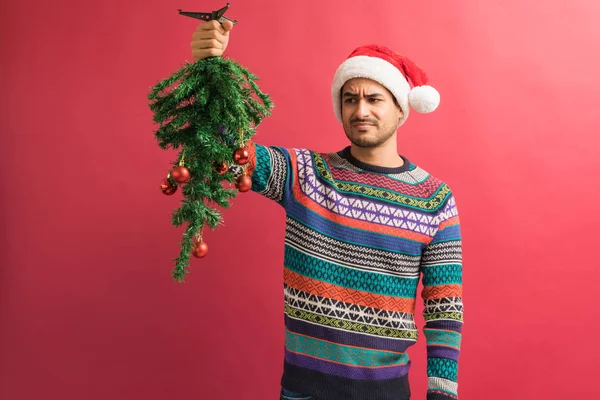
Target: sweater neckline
x=347 y=155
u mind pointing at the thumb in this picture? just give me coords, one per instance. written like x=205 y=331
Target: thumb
x=227 y=25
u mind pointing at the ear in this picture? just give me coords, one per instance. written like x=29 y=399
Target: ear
x=400 y=112
x=397 y=104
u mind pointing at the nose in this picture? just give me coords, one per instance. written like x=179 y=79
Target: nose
x=363 y=110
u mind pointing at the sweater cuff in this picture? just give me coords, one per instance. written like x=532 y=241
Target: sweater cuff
x=439 y=395
x=251 y=159
x=441 y=389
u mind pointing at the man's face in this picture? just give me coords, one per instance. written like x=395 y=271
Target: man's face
x=369 y=113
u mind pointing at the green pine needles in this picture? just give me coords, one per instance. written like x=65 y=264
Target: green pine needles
x=206 y=110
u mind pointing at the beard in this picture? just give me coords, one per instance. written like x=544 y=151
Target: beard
x=376 y=136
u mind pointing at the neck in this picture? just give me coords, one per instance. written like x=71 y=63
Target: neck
x=382 y=156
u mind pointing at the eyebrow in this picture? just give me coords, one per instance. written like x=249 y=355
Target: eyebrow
x=348 y=94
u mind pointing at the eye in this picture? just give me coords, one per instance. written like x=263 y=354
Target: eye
x=374 y=100
x=349 y=100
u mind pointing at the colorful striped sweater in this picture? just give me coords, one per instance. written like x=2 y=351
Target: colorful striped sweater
x=358 y=238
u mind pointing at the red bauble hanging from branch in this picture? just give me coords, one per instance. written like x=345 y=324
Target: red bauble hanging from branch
x=200 y=249
x=221 y=168
x=241 y=156
x=167 y=186
x=180 y=174
x=243 y=183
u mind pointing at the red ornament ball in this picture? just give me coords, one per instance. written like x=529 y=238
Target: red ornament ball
x=243 y=183
x=200 y=249
x=221 y=168
x=180 y=174
x=241 y=156
x=168 y=187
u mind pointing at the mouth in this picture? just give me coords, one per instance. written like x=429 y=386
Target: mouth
x=362 y=125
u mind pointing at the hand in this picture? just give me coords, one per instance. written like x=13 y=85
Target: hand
x=210 y=39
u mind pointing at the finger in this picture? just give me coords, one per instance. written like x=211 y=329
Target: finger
x=227 y=25
x=205 y=53
x=211 y=26
x=207 y=44
x=209 y=35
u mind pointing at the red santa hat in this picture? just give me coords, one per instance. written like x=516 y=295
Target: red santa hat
x=391 y=70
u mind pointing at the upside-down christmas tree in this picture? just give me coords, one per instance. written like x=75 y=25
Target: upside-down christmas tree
x=208 y=111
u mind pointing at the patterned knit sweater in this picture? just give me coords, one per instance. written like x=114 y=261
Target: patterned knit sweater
x=358 y=238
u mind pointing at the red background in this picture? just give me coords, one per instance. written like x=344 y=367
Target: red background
x=88 y=309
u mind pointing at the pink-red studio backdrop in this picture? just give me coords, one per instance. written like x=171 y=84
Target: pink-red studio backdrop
x=88 y=309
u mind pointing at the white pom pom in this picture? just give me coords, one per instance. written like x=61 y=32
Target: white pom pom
x=424 y=99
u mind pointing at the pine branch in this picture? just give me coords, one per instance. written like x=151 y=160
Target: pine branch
x=206 y=110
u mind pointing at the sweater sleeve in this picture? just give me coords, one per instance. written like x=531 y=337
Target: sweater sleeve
x=441 y=267
x=271 y=172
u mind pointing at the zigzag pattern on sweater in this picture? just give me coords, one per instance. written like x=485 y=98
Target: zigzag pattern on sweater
x=433 y=203
x=277 y=178
x=347 y=311
x=426 y=188
x=447 y=304
x=365 y=210
x=451 y=316
x=351 y=326
x=414 y=176
x=442 y=253
x=448 y=211
x=342 y=253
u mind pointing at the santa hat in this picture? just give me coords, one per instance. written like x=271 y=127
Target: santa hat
x=390 y=70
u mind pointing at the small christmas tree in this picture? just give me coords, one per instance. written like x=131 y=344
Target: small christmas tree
x=208 y=111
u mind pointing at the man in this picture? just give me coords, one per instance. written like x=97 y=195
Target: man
x=362 y=224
